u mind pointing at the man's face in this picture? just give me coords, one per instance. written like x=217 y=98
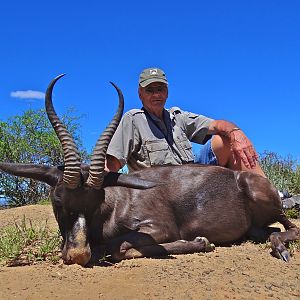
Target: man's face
x=154 y=96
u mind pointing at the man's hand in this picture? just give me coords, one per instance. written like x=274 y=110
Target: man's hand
x=242 y=148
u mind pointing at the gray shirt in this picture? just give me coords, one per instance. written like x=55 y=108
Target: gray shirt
x=143 y=140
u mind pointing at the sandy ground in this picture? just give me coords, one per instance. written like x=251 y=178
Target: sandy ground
x=246 y=271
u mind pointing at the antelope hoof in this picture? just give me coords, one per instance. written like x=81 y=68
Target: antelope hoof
x=208 y=246
x=285 y=255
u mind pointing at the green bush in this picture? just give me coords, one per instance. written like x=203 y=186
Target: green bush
x=30 y=138
x=284 y=173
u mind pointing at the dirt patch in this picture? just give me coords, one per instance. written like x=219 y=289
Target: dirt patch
x=246 y=271
x=36 y=213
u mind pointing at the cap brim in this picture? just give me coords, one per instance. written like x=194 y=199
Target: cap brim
x=151 y=80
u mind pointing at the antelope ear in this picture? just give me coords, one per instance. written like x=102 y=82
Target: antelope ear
x=49 y=175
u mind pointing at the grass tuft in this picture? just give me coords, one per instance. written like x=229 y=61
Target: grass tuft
x=292 y=213
x=45 y=201
x=25 y=243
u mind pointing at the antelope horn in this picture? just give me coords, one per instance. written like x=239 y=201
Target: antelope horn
x=71 y=176
x=96 y=172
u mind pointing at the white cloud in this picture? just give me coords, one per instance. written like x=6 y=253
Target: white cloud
x=29 y=94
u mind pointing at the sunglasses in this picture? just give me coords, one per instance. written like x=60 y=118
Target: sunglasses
x=154 y=90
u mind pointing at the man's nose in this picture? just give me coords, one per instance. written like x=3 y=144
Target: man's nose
x=156 y=93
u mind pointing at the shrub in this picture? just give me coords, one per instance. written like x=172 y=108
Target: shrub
x=284 y=173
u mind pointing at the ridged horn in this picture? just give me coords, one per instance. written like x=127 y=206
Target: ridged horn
x=96 y=172
x=71 y=176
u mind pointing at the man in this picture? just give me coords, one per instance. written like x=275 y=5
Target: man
x=153 y=135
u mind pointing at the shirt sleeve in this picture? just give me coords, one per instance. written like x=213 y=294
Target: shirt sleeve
x=124 y=140
x=196 y=127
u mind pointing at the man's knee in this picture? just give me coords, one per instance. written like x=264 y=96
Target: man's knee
x=221 y=148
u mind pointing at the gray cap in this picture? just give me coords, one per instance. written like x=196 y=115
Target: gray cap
x=151 y=75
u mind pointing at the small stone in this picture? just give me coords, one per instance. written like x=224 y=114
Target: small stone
x=268 y=286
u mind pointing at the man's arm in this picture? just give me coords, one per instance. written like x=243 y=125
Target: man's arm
x=112 y=164
x=122 y=144
x=241 y=146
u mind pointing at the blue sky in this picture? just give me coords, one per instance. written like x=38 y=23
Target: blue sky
x=232 y=60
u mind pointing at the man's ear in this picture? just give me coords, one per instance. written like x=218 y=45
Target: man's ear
x=139 y=91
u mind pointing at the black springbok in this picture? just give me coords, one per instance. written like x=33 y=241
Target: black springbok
x=153 y=212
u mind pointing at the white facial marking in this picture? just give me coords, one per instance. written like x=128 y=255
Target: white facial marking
x=81 y=221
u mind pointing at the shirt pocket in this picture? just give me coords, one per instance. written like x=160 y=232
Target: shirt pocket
x=185 y=148
x=159 y=153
